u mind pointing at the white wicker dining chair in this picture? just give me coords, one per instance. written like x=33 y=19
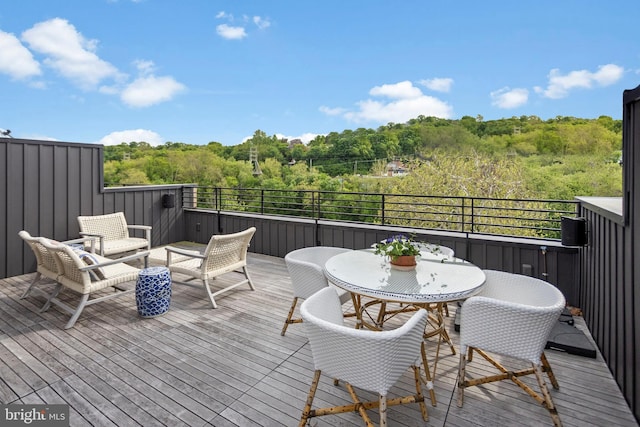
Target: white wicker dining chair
x=370 y=360
x=305 y=268
x=512 y=316
x=87 y=274
x=112 y=232
x=437 y=250
x=225 y=253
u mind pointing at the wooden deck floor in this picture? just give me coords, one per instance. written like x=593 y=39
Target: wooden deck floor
x=196 y=366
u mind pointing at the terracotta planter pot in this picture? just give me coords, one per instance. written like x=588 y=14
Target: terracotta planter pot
x=404 y=260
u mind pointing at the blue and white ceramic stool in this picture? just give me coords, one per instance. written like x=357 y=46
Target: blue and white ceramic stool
x=153 y=291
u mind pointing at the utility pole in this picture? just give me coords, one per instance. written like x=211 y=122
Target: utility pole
x=253 y=158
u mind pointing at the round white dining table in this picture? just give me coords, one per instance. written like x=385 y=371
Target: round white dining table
x=435 y=279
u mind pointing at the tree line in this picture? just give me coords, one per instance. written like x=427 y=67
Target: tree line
x=524 y=157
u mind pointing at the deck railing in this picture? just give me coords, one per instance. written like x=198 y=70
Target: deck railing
x=504 y=217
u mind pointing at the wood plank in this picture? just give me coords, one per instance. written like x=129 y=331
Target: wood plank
x=230 y=366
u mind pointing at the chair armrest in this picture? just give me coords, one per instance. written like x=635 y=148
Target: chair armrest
x=137 y=255
x=140 y=227
x=100 y=238
x=180 y=251
x=186 y=252
x=147 y=232
x=83 y=240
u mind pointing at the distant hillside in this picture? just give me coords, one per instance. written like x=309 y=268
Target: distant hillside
x=558 y=158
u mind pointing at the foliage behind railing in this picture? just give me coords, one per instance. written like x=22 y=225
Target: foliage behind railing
x=504 y=217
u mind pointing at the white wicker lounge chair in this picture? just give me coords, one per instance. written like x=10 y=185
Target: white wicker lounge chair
x=225 y=253
x=46 y=267
x=305 y=267
x=369 y=360
x=87 y=274
x=112 y=231
x=512 y=316
x=45 y=264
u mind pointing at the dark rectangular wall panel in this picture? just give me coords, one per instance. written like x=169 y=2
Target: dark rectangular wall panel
x=608 y=296
x=277 y=236
x=631 y=188
x=46 y=185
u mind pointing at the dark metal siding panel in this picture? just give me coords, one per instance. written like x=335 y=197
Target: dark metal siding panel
x=631 y=145
x=74 y=183
x=30 y=221
x=608 y=293
x=47 y=190
x=606 y=297
x=4 y=205
x=87 y=188
x=45 y=185
x=97 y=181
x=60 y=205
x=15 y=204
x=493 y=257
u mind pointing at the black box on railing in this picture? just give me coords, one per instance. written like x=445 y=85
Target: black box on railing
x=168 y=200
x=574 y=231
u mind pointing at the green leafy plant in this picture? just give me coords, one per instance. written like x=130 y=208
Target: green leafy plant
x=396 y=246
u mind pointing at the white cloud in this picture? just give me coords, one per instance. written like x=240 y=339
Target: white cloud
x=438 y=84
x=261 y=22
x=305 y=137
x=73 y=56
x=332 y=111
x=509 y=98
x=408 y=102
x=231 y=33
x=133 y=135
x=560 y=85
x=15 y=59
x=150 y=90
x=69 y=53
x=401 y=90
x=144 y=67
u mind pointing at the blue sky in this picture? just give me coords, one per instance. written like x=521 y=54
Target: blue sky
x=197 y=71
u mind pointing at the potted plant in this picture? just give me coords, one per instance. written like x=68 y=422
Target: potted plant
x=400 y=249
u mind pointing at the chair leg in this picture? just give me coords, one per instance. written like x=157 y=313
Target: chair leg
x=547 y=397
x=289 y=320
x=461 y=374
x=546 y=367
x=383 y=410
x=361 y=407
x=208 y=289
x=76 y=314
x=427 y=374
x=312 y=392
x=419 y=395
x=246 y=273
x=54 y=294
x=33 y=282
